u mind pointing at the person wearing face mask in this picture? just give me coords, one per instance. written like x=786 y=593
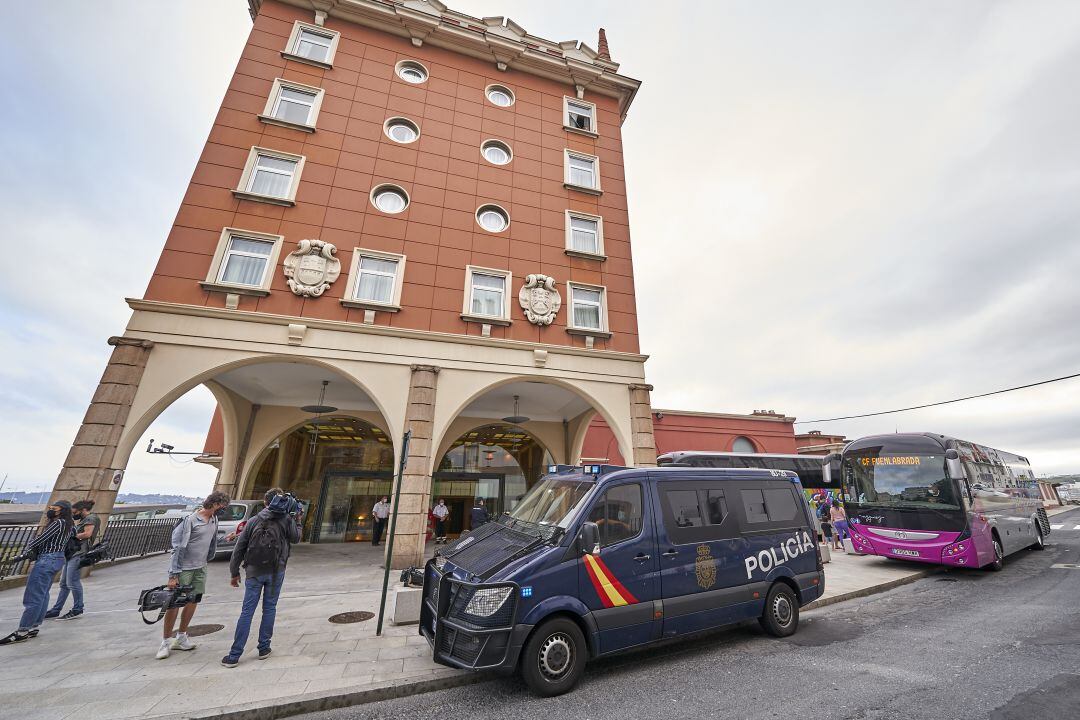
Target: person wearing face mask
x=49 y=547
x=86 y=529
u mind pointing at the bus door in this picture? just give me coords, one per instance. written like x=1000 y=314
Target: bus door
x=620 y=584
x=702 y=576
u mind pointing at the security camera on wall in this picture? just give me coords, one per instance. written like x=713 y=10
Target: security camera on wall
x=658 y=415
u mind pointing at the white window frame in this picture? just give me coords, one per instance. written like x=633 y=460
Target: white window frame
x=499 y=87
x=389 y=186
x=289 y=52
x=574 y=329
x=217 y=264
x=489 y=206
x=242 y=191
x=398 y=120
x=274 y=100
x=495 y=141
x=592 y=190
x=350 y=299
x=571 y=250
x=466 y=310
x=400 y=64
x=567 y=101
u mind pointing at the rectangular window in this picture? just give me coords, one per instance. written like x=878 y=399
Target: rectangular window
x=488 y=293
x=754 y=506
x=312 y=44
x=582 y=171
x=376 y=280
x=780 y=504
x=715 y=506
x=618 y=514
x=270 y=176
x=586 y=308
x=579 y=115
x=294 y=105
x=245 y=261
x=584 y=235
x=685 y=508
x=696 y=511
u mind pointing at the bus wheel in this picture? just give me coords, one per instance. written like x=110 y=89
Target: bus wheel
x=554 y=657
x=1040 y=543
x=999 y=556
x=781 y=615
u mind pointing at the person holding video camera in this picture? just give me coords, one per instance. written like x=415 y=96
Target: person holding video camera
x=263 y=549
x=47 y=550
x=194 y=543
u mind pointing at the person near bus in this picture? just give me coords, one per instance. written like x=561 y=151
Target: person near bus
x=479 y=514
x=379 y=514
x=87 y=525
x=441 y=512
x=838 y=516
x=825 y=518
x=49 y=546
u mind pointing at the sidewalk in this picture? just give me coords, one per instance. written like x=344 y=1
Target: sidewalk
x=102 y=665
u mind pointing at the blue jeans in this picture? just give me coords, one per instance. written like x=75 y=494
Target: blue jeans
x=269 y=586
x=36 y=594
x=70 y=581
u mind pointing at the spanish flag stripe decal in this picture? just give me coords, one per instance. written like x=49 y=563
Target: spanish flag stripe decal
x=611 y=591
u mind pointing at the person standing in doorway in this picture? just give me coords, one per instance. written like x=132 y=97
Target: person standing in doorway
x=263 y=549
x=86 y=529
x=441 y=512
x=48 y=547
x=194 y=543
x=379 y=513
x=479 y=514
x=839 y=523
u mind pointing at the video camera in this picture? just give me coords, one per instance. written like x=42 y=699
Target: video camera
x=286 y=503
x=162 y=598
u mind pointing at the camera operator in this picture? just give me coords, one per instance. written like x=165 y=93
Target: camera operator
x=86 y=529
x=47 y=549
x=263 y=549
x=194 y=542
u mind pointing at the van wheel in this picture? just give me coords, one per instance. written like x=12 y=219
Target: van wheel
x=554 y=657
x=781 y=615
x=999 y=556
x=1040 y=543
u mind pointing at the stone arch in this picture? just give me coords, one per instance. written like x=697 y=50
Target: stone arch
x=453 y=433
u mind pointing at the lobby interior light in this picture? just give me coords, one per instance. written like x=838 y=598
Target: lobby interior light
x=517 y=418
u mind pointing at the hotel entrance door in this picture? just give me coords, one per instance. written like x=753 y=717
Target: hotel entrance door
x=345 y=504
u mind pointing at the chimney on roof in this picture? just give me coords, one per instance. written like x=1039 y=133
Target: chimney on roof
x=601 y=46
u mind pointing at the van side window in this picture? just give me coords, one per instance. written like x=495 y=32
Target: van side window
x=770 y=507
x=780 y=504
x=694 y=512
x=754 y=506
x=618 y=513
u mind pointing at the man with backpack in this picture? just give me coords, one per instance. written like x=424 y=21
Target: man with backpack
x=263 y=549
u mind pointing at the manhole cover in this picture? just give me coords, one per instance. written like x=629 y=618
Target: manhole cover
x=351 y=617
x=197 y=630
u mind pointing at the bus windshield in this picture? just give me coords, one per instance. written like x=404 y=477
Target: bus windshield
x=552 y=500
x=899 y=481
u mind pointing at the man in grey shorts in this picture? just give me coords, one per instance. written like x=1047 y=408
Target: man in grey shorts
x=194 y=543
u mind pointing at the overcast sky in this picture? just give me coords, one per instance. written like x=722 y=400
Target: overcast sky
x=836 y=207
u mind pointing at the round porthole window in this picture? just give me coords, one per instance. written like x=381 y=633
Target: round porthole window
x=390 y=199
x=492 y=218
x=499 y=95
x=401 y=130
x=496 y=153
x=412 y=72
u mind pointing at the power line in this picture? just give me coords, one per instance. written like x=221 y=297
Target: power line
x=943 y=402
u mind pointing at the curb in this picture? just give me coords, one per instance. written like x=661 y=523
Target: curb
x=334 y=699
x=872 y=590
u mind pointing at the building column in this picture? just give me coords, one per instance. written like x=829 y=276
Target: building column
x=641 y=426
x=89 y=472
x=415 y=497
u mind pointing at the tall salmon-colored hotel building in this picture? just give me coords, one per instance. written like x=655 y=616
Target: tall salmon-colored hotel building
x=404 y=218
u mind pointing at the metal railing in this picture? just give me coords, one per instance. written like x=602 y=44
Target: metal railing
x=126 y=538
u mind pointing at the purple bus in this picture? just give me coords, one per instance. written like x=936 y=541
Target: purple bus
x=935 y=499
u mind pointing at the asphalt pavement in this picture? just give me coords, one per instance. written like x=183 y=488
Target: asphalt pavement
x=963 y=644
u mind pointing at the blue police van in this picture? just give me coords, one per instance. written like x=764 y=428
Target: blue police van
x=599 y=559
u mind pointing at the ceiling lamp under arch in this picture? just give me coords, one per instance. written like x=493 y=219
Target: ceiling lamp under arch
x=517 y=418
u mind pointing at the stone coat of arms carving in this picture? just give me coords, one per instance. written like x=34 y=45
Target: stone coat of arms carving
x=705 y=566
x=539 y=299
x=312 y=267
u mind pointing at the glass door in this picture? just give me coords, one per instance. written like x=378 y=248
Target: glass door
x=344 y=512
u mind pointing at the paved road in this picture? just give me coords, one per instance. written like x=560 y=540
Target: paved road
x=967 y=644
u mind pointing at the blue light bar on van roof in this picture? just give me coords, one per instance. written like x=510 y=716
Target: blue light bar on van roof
x=595 y=470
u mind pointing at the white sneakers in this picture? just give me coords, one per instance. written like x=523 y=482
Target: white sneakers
x=180 y=642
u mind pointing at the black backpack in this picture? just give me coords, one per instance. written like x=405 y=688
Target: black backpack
x=265 y=546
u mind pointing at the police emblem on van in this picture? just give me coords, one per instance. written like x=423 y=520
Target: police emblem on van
x=705 y=567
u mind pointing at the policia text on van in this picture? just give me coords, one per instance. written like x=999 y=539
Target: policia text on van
x=601 y=559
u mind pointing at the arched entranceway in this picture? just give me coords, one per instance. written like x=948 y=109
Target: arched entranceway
x=338 y=466
x=497 y=462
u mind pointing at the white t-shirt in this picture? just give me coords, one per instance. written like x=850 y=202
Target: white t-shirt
x=440 y=511
x=381 y=510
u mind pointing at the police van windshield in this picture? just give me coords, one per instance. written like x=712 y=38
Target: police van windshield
x=552 y=499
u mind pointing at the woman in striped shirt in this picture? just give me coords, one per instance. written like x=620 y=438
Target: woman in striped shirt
x=49 y=546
